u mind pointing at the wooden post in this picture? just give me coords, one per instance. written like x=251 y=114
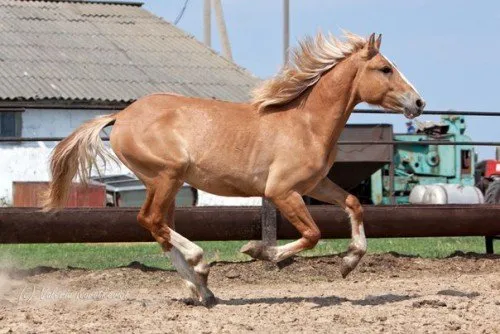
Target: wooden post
x=392 y=195
x=489 y=245
x=269 y=221
x=286 y=30
x=207 y=24
x=221 y=23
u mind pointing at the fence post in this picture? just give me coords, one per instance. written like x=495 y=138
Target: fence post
x=489 y=245
x=392 y=172
x=269 y=221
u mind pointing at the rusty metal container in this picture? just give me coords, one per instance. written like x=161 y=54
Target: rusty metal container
x=29 y=194
x=355 y=163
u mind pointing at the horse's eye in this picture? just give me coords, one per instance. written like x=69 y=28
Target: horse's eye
x=386 y=69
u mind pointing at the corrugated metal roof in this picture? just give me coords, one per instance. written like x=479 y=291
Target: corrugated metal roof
x=109 y=52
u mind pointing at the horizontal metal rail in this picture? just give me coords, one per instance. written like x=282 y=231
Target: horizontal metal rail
x=33 y=139
x=344 y=142
x=421 y=142
x=120 y=105
x=30 y=225
x=429 y=112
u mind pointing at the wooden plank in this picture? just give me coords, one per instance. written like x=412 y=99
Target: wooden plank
x=29 y=194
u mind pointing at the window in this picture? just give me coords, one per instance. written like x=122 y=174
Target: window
x=466 y=162
x=10 y=123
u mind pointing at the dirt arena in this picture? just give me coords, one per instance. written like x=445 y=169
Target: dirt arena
x=387 y=293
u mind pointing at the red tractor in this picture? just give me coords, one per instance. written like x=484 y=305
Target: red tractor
x=488 y=180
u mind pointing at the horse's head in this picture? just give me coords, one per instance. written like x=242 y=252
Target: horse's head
x=379 y=82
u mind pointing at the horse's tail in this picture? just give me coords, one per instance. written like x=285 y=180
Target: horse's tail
x=77 y=153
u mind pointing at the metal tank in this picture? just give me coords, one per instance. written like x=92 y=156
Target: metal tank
x=446 y=194
x=417 y=194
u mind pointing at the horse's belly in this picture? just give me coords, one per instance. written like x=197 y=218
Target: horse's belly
x=226 y=181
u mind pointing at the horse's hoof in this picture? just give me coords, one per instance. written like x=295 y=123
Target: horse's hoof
x=254 y=249
x=345 y=270
x=260 y=251
x=285 y=263
x=190 y=301
x=347 y=265
x=209 y=301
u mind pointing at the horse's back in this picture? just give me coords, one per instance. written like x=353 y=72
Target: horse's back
x=157 y=102
x=209 y=142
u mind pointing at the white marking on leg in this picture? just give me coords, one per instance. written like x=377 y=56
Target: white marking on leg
x=182 y=266
x=191 y=251
x=192 y=290
x=358 y=239
x=285 y=251
x=350 y=213
x=357 y=248
x=197 y=287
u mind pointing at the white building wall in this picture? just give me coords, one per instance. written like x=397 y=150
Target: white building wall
x=55 y=123
x=207 y=199
x=29 y=161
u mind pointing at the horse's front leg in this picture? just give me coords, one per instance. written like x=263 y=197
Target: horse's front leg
x=329 y=192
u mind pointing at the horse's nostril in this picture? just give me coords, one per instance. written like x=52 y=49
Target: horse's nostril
x=420 y=103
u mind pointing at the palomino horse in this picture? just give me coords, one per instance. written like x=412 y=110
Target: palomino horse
x=281 y=147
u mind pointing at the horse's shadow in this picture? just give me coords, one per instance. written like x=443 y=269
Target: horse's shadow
x=319 y=301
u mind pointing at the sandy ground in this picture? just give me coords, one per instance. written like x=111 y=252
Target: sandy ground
x=387 y=293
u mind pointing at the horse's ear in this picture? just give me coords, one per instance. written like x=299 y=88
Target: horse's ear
x=371 y=47
x=371 y=39
x=378 y=41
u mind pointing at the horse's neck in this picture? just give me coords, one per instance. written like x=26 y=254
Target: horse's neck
x=330 y=103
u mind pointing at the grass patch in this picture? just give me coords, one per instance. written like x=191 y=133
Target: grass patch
x=424 y=247
x=100 y=256
x=105 y=255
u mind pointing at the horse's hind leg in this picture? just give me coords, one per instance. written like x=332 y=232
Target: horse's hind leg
x=195 y=278
x=177 y=259
x=186 y=256
x=295 y=211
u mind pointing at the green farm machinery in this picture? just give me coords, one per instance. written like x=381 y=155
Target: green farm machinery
x=407 y=170
x=424 y=165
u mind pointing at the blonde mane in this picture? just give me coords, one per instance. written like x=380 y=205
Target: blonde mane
x=312 y=58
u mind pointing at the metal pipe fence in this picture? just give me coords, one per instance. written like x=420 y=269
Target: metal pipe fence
x=31 y=225
x=342 y=142
x=429 y=112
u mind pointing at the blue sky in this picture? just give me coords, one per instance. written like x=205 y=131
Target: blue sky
x=449 y=49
